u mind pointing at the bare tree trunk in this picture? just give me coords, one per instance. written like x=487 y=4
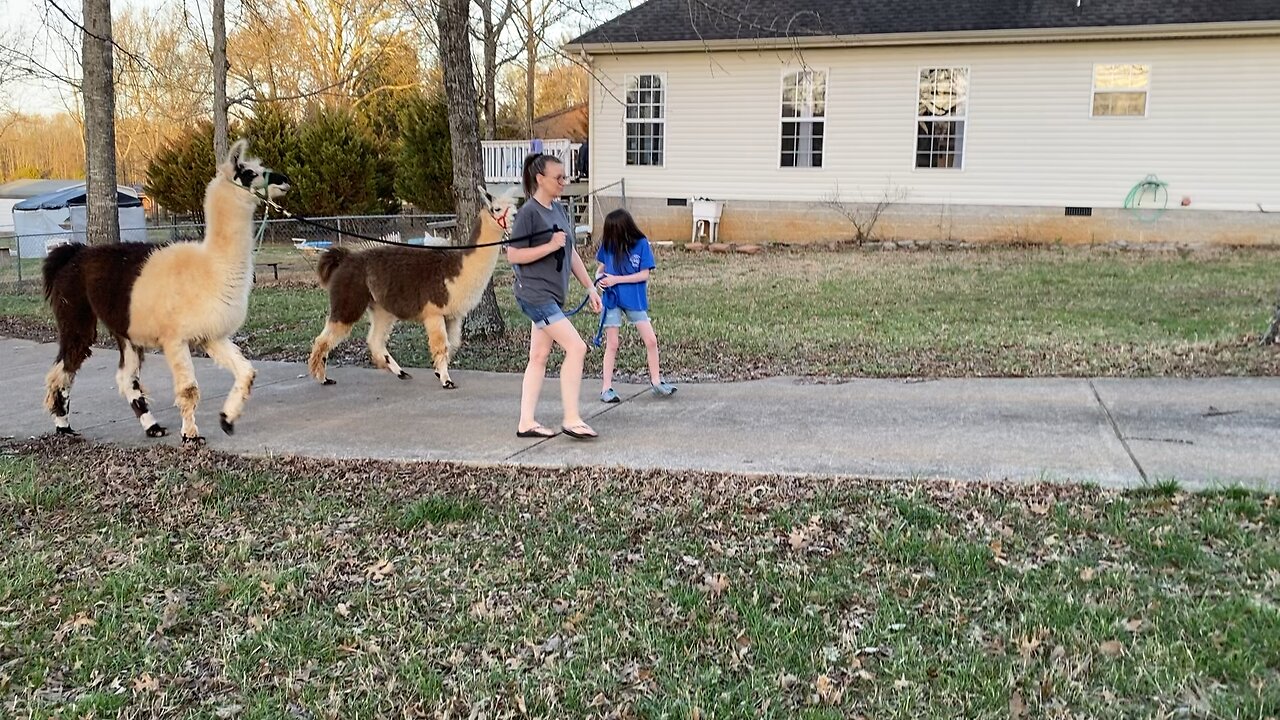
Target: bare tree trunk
x=464 y=136
x=102 y=215
x=490 y=82
x=531 y=63
x=220 y=66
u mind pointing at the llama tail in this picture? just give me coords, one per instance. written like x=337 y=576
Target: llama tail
x=55 y=261
x=329 y=262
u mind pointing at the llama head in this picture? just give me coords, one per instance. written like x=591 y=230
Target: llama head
x=249 y=173
x=500 y=208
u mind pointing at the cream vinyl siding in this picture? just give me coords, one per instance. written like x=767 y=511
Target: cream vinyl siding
x=1030 y=138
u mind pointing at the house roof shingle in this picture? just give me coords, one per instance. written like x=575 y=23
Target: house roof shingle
x=705 y=20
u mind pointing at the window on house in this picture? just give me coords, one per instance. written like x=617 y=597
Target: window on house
x=942 y=113
x=646 y=119
x=1120 y=90
x=804 y=105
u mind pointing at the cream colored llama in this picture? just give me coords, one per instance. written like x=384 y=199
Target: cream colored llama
x=165 y=297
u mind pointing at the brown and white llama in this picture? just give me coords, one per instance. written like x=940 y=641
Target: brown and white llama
x=164 y=297
x=435 y=287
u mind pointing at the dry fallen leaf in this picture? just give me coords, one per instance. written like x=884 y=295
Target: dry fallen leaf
x=1027 y=647
x=997 y=551
x=146 y=682
x=380 y=570
x=715 y=584
x=1017 y=708
x=226 y=712
x=1086 y=575
x=344 y=610
x=1134 y=625
x=81 y=620
x=1039 y=508
x=901 y=684
x=1111 y=648
x=827 y=692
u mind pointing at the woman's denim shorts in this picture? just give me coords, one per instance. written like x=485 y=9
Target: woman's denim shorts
x=542 y=315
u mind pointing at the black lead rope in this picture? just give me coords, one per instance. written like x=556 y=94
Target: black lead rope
x=529 y=236
x=559 y=253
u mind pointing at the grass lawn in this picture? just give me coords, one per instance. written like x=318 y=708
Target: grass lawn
x=851 y=313
x=158 y=583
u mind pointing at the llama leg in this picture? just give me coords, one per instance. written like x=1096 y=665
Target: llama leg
x=131 y=387
x=438 y=342
x=186 y=394
x=57 y=399
x=453 y=327
x=228 y=356
x=380 y=324
x=334 y=333
x=77 y=329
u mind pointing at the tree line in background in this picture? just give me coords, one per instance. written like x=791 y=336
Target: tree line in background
x=327 y=77
x=340 y=161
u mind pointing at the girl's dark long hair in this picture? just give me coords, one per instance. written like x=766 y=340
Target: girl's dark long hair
x=620 y=234
x=535 y=165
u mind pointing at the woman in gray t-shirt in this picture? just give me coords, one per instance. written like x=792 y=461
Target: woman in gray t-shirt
x=542 y=265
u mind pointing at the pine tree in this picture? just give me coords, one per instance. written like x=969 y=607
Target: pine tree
x=425 y=169
x=178 y=174
x=335 y=171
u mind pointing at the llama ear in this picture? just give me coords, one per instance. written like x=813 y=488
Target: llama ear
x=235 y=155
x=484 y=194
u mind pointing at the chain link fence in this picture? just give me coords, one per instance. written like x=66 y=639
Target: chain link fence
x=21 y=255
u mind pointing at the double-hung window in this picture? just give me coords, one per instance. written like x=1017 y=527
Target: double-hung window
x=646 y=119
x=941 y=116
x=804 y=107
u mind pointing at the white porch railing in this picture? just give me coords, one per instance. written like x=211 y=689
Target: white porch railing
x=504 y=159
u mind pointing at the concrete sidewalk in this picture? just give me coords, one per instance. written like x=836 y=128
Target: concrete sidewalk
x=1116 y=432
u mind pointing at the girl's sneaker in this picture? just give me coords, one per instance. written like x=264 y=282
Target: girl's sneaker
x=609 y=396
x=664 y=390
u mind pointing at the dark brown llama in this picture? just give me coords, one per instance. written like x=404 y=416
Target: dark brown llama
x=163 y=297
x=435 y=287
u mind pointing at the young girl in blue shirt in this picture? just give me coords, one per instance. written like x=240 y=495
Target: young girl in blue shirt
x=623 y=273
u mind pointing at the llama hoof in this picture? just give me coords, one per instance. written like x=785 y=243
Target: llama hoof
x=193 y=441
x=404 y=375
x=449 y=385
x=328 y=381
x=156 y=431
x=228 y=427
x=66 y=431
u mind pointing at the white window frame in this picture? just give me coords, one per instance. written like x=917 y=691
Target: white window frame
x=782 y=119
x=1093 y=91
x=917 y=118
x=627 y=122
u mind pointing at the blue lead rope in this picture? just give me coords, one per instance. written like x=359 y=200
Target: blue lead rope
x=606 y=297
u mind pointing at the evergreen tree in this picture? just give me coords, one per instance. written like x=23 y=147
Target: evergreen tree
x=424 y=176
x=335 y=170
x=274 y=137
x=178 y=174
